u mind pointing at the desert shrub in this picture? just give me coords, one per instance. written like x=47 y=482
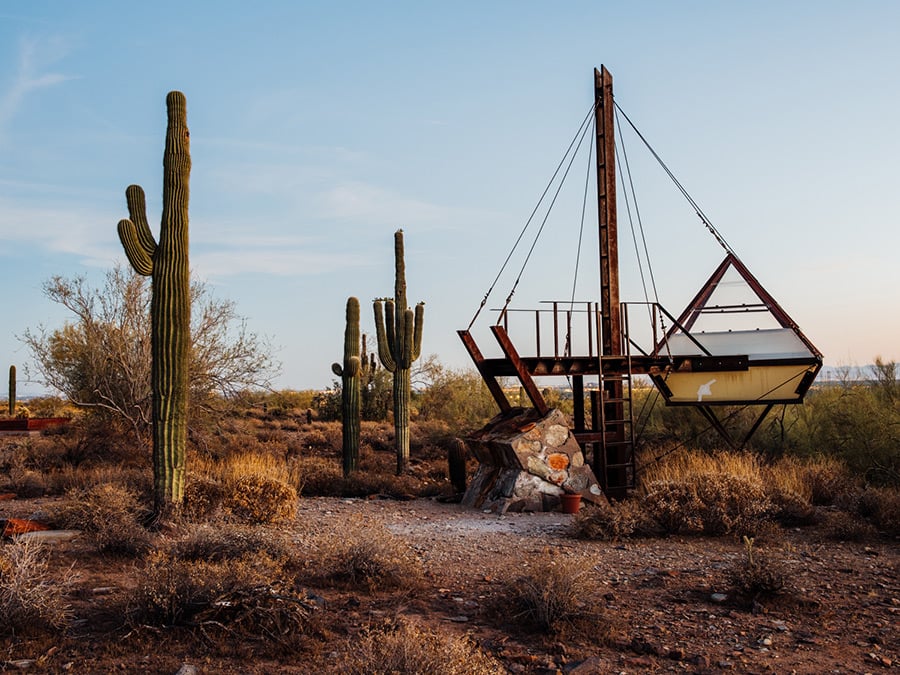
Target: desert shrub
x=615 y=521
x=247 y=597
x=827 y=479
x=719 y=493
x=367 y=558
x=30 y=599
x=260 y=499
x=844 y=526
x=402 y=647
x=69 y=478
x=881 y=506
x=215 y=544
x=791 y=508
x=203 y=497
x=714 y=505
x=323 y=478
x=859 y=424
x=760 y=574
x=111 y=514
x=553 y=596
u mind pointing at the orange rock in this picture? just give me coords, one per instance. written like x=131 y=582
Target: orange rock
x=558 y=461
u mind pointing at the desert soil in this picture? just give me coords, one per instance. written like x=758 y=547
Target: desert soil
x=667 y=600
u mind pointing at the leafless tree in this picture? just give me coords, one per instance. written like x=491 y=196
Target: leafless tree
x=101 y=358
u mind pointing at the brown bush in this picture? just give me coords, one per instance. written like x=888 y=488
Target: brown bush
x=843 y=526
x=760 y=574
x=615 y=521
x=554 y=596
x=402 y=646
x=368 y=558
x=30 y=600
x=111 y=514
x=708 y=504
x=245 y=598
x=259 y=499
x=216 y=544
x=881 y=506
x=203 y=497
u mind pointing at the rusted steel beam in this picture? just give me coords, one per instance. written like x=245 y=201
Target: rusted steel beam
x=489 y=378
x=531 y=390
x=611 y=332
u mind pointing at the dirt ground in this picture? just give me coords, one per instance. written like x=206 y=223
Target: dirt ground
x=667 y=599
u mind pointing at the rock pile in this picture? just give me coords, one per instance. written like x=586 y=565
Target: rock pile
x=527 y=463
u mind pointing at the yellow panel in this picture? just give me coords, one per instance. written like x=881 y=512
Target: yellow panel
x=759 y=383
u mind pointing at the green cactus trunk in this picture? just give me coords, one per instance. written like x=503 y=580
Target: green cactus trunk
x=12 y=391
x=349 y=372
x=399 y=333
x=170 y=306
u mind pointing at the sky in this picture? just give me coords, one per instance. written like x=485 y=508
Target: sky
x=318 y=129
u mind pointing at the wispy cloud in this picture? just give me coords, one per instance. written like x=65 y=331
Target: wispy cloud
x=71 y=230
x=34 y=59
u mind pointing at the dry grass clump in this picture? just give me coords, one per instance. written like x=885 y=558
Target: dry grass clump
x=259 y=499
x=843 y=526
x=203 y=497
x=367 y=558
x=881 y=506
x=111 y=514
x=216 y=544
x=554 y=596
x=619 y=520
x=30 y=600
x=243 y=598
x=715 y=494
x=710 y=504
x=402 y=647
x=759 y=575
x=249 y=488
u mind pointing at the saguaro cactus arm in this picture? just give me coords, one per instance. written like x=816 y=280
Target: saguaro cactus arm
x=385 y=335
x=417 y=333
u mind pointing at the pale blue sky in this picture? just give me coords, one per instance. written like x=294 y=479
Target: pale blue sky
x=317 y=129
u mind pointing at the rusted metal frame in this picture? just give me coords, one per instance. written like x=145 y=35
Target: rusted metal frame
x=780 y=315
x=678 y=325
x=689 y=315
x=710 y=416
x=756 y=424
x=480 y=363
x=735 y=309
x=604 y=110
x=531 y=390
x=590 y=330
x=555 y=331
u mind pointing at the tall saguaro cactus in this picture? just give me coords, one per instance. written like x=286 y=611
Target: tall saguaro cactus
x=399 y=333
x=12 y=391
x=166 y=263
x=349 y=372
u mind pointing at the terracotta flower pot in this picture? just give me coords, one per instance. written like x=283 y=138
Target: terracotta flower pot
x=570 y=503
